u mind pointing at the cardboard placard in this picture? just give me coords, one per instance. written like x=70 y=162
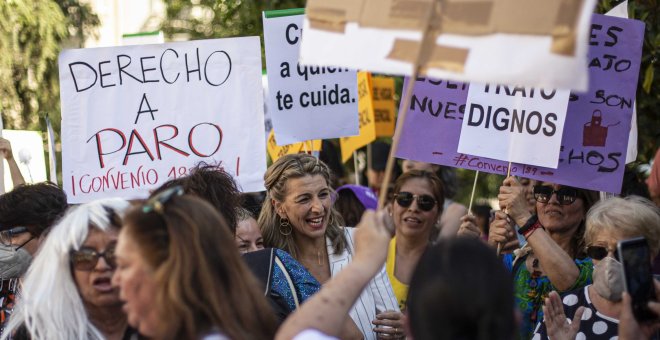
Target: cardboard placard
x=438 y=108
x=134 y=117
x=383 y=91
x=276 y=151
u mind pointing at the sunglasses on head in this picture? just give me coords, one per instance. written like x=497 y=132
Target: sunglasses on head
x=85 y=259
x=565 y=195
x=600 y=252
x=424 y=202
x=157 y=202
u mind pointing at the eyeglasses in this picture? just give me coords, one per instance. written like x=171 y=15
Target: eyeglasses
x=424 y=202
x=599 y=252
x=565 y=195
x=6 y=236
x=86 y=259
x=157 y=202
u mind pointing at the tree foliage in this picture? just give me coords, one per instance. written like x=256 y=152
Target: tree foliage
x=204 y=19
x=32 y=34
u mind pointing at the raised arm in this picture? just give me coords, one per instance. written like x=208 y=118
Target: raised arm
x=327 y=311
x=5 y=151
x=556 y=263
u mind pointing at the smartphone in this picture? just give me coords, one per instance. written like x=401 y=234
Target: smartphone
x=635 y=256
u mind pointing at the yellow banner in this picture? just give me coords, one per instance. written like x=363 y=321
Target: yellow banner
x=367 y=121
x=276 y=151
x=384 y=105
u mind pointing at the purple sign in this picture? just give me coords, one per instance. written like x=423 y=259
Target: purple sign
x=595 y=137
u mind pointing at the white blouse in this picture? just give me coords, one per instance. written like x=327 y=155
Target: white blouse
x=377 y=297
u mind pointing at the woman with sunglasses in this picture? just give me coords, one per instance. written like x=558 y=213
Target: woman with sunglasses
x=298 y=217
x=418 y=199
x=553 y=257
x=67 y=293
x=595 y=309
x=180 y=276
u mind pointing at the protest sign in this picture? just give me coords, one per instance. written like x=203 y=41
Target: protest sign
x=367 y=121
x=383 y=91
x=276 y=151
x=28 y=151
x=134 y=117
x=533 y=43
x=305 y=102
x=595 y=134
x=514 y=124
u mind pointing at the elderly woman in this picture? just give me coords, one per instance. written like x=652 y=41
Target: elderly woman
x=180 y=276
x=418 y=198
x=553 y=257
x=298 y=217
x=595 y=309
x=67 y=292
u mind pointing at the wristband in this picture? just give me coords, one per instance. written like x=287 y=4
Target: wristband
x=530 y=226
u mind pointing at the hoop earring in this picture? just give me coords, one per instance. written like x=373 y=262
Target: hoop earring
x=285 y=227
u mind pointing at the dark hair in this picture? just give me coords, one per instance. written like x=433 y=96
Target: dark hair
x=36 y=206
x=589 y=198
x=202 y=282
x=349 y=207
x=461 y=290
x=213 y=184
x=435 y=184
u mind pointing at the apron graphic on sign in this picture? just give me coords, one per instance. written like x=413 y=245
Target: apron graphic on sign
x=595 y=134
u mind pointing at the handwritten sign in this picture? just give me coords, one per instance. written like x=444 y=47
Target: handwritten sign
x=383 y=91
x=514 y=124
x=134 y=117
x=595 y=134
x=276 y=151
x=305 y=102
x=367 y=122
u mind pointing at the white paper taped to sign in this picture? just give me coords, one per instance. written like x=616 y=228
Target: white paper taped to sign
x=306 y=102
x=513 y=42
x=515 y=124
x=134 y=117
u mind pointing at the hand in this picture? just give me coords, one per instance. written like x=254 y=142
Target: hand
x=390 y=325
x=5 y=149
x=469 y=227
x=372 y=238
x=513 y=200
x=501 y=231
x=556 y=323
x=629 y=328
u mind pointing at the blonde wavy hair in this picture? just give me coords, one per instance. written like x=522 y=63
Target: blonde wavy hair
x=276 y=179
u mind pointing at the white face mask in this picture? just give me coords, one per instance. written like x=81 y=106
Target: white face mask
x=13 y=263
x=608 y=279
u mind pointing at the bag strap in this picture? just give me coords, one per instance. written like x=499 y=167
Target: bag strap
x=279 y=263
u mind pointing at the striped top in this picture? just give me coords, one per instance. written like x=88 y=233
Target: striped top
x=377 y=297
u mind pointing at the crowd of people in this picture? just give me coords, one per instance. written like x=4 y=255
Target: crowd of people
x=200 y=260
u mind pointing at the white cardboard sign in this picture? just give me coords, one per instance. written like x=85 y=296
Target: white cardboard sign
x=134 y=117
x=515 y=124
x=305 y=102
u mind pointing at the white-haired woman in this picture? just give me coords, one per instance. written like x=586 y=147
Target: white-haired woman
x=596 y=308
x=67 y=292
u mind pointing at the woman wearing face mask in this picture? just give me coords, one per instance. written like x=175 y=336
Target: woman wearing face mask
x=298 y=218
x=595 y=308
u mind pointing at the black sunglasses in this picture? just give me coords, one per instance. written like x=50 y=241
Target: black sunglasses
x=424 y=202
x=157 y=202
x=600 y=252
x=86 y=259
x=565 y=195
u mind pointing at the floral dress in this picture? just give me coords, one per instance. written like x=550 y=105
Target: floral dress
x=531 y=289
